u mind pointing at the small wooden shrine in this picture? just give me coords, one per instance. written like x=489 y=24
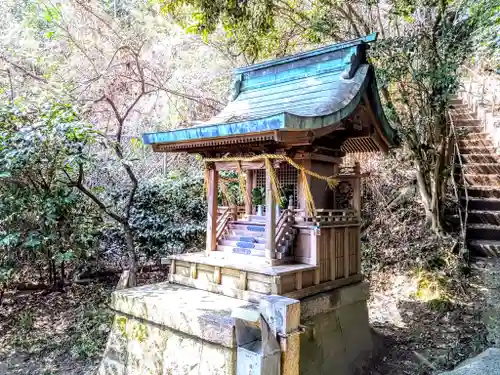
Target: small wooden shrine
x=285 y=132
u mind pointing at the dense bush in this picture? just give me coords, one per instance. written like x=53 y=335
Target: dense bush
x=168 y=216
x=43 y=220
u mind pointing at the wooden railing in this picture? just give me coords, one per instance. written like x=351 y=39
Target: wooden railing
x=224 y=216
x=326 y=217
x=463 y=212
x=283 y=226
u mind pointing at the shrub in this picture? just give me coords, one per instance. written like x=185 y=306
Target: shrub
x=168 y=216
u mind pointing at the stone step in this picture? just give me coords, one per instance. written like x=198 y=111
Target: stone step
x=482 y=180
x=482 y=204
x=249 y=238
x=490 y=150
x=465 y=120
x=488 y=248
x=480 y=159
x=483 y=217
x=243 y=244
x=467 y=143
x=473 y=135
x=469 y=129
x=481 y=192
x=481 y=168
x=483 y=232
x=241 y=251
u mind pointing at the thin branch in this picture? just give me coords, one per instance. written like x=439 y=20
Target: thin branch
x=88 y=9
x=80 y=186
x=23 y=70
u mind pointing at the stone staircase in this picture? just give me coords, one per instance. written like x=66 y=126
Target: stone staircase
x=247 y=237
x=481 y=170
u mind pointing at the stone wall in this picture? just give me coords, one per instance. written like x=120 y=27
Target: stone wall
x=168 y=329
x=136 y=347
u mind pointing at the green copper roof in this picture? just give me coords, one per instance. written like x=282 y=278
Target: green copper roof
x=306 y=91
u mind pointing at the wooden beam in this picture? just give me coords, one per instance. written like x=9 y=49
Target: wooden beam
x=346 y=252
x=217 y=275
x=243 y=280
x=324 y=287
x=213 y=182
x=356 y=185
x=270 y=220
x=333 y=255
x=245 y=295
x=298 y=280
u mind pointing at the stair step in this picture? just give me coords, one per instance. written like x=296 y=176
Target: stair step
x=246 y=233
x=252 y=218
x=243 y=244
x=466 y=135
x=482 y=180
x=483 y=217
x=471 y=129
x=489 y=150
x=241 y=250
x=483 y=204
x=245 y=238
x=481 y=168
x=480 y=159
x=483 y=232
x=488 y=248
x=465 y=120
x=481 y=192
x=239 y=258
x=246 y=222
x=248 y=226
x=467 y=143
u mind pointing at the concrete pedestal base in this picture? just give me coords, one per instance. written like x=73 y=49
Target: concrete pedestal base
x=168 y=329
x=337 y=338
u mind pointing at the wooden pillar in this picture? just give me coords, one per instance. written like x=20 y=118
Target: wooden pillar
x=213 y=182
x=336 y=171
x=346 y=252
x=356 y=199
x=249 y=185
x=270 y=219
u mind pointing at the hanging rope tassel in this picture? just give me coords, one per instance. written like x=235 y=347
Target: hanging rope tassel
x=275 y=186
x=205 y=179
x=242 y=183
x=310 y=207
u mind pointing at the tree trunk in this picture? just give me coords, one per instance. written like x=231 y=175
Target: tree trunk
x=431 y=199
x=132 y=261
x=62 y=276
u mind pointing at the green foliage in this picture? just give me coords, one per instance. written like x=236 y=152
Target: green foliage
x=41 y=215
x=26 y=321
x=258 y=196
x=433 y=288
x=89 y=332
x=287 y=192
x=169 y=215
x=486 y=37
